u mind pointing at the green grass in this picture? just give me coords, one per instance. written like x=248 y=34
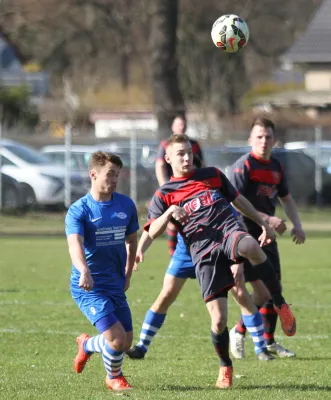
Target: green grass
x=39 y=322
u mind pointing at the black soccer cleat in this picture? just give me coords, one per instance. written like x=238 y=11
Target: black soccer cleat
x=136 y=353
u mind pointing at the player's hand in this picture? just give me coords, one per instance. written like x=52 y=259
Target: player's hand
x=277 y=224
x=298 y=235
x=238 y=273
x=180 y=215
x=139 y=259
x=86 y=281
x=267 y=236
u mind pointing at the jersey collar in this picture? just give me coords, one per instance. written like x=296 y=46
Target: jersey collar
x=259 y=158
x=183 y=178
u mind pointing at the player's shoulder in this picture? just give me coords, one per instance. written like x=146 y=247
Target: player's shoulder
x=277 y=164
x=79 y=207
x=124 y=200
x=243 y=160
x=206 y=172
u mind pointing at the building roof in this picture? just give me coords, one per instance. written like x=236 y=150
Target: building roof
x=314 y=45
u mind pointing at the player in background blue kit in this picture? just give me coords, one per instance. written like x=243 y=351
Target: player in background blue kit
x=101 y=229
x=179 y=270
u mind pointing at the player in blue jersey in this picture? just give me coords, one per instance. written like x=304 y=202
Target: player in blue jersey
x=179 y=270
x=101 y=230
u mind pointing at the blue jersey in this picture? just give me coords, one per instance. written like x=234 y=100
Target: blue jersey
x=104 y=226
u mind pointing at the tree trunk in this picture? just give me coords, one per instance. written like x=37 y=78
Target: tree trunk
x=167 y=97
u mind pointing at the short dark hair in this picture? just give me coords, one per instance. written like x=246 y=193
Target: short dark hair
x=264 y=122
x=177 y=139
x=100 y=158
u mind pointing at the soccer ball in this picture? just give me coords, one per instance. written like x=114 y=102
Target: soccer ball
x=230 y=33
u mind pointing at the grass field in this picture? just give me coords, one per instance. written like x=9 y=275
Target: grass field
x=39 y=322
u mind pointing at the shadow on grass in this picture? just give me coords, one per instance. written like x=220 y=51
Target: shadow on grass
x=286 y=387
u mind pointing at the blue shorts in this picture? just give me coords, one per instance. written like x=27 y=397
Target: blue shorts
x=100 y=305
x=181 y=269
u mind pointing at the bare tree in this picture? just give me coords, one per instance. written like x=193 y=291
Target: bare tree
x=168 y=100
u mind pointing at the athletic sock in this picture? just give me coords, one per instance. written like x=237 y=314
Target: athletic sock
x=254 y=326
x=152 y=323
x=172 y=240
x=241 y=327
x=268 y=275
x=221 y=344
x=94 y=344
x=269 y=317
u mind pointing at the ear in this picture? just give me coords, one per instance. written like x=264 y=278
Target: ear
x=92 y=174
x=167 y=158
x=249 y=141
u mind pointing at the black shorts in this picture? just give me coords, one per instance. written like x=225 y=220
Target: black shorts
x=271 y=251
x=213 y=270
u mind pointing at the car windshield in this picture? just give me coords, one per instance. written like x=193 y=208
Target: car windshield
x=28 y=155
x=324 y=158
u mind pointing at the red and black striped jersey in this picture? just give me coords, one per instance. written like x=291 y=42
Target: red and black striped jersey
x=196 y=149
x=261 y=182
x=205 y=194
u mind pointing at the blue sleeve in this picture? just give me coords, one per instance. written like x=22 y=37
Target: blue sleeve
x=74 y=221
x=133 y=225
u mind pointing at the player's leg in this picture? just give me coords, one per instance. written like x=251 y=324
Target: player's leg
x=215 y=279
x=249 y=248
x=268 y=312
x=172 y=232
x=252 y=320
x=112 y=340
x=156 y=315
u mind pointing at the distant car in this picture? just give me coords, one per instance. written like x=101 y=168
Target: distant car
x=12 y=196
x=310 y=148
x=41 y=180
x=146 y=183
x=298 y=166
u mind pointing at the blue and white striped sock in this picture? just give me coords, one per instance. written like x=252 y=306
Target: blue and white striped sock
x=112 y=359
x=152 y=323
x=94 y=344
x=254 y=326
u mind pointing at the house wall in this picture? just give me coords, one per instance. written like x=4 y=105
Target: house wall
x=318 y=77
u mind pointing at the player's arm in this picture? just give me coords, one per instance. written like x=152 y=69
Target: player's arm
x=292 y=214
x=159 y=225
x=77 y=255
x=246 y=208
x=131 y=250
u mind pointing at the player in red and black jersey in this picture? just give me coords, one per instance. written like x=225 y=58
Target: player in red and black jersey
x=260 y=178
x=197 y=201
x=163 y=170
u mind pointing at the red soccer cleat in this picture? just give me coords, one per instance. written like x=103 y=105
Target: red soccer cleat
x=287 y=319
x=119 y=384
x=81 y=358
x=224 y=380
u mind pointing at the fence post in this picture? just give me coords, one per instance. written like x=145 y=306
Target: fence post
x=318 y=167
x=67 y=180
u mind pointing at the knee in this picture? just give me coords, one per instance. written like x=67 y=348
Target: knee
x=219 y=324
x=249 y=248
x=119 y=343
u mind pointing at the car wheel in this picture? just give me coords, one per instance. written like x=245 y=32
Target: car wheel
x=28 y=199
x=10 y=199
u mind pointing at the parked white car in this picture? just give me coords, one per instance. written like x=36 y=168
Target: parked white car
x=41 y=178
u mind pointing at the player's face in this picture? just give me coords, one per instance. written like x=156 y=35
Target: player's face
x=178 y=126
x=104 y=179
x=180 y=157
x=262 y=141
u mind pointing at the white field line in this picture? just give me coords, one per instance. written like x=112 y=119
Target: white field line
x=166 y=337
x=133 y=303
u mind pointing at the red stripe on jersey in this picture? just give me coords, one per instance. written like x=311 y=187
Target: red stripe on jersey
x=264 y=176
x=160 y=195
x=191 y=189
x=247 y=165
x=195 y=148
